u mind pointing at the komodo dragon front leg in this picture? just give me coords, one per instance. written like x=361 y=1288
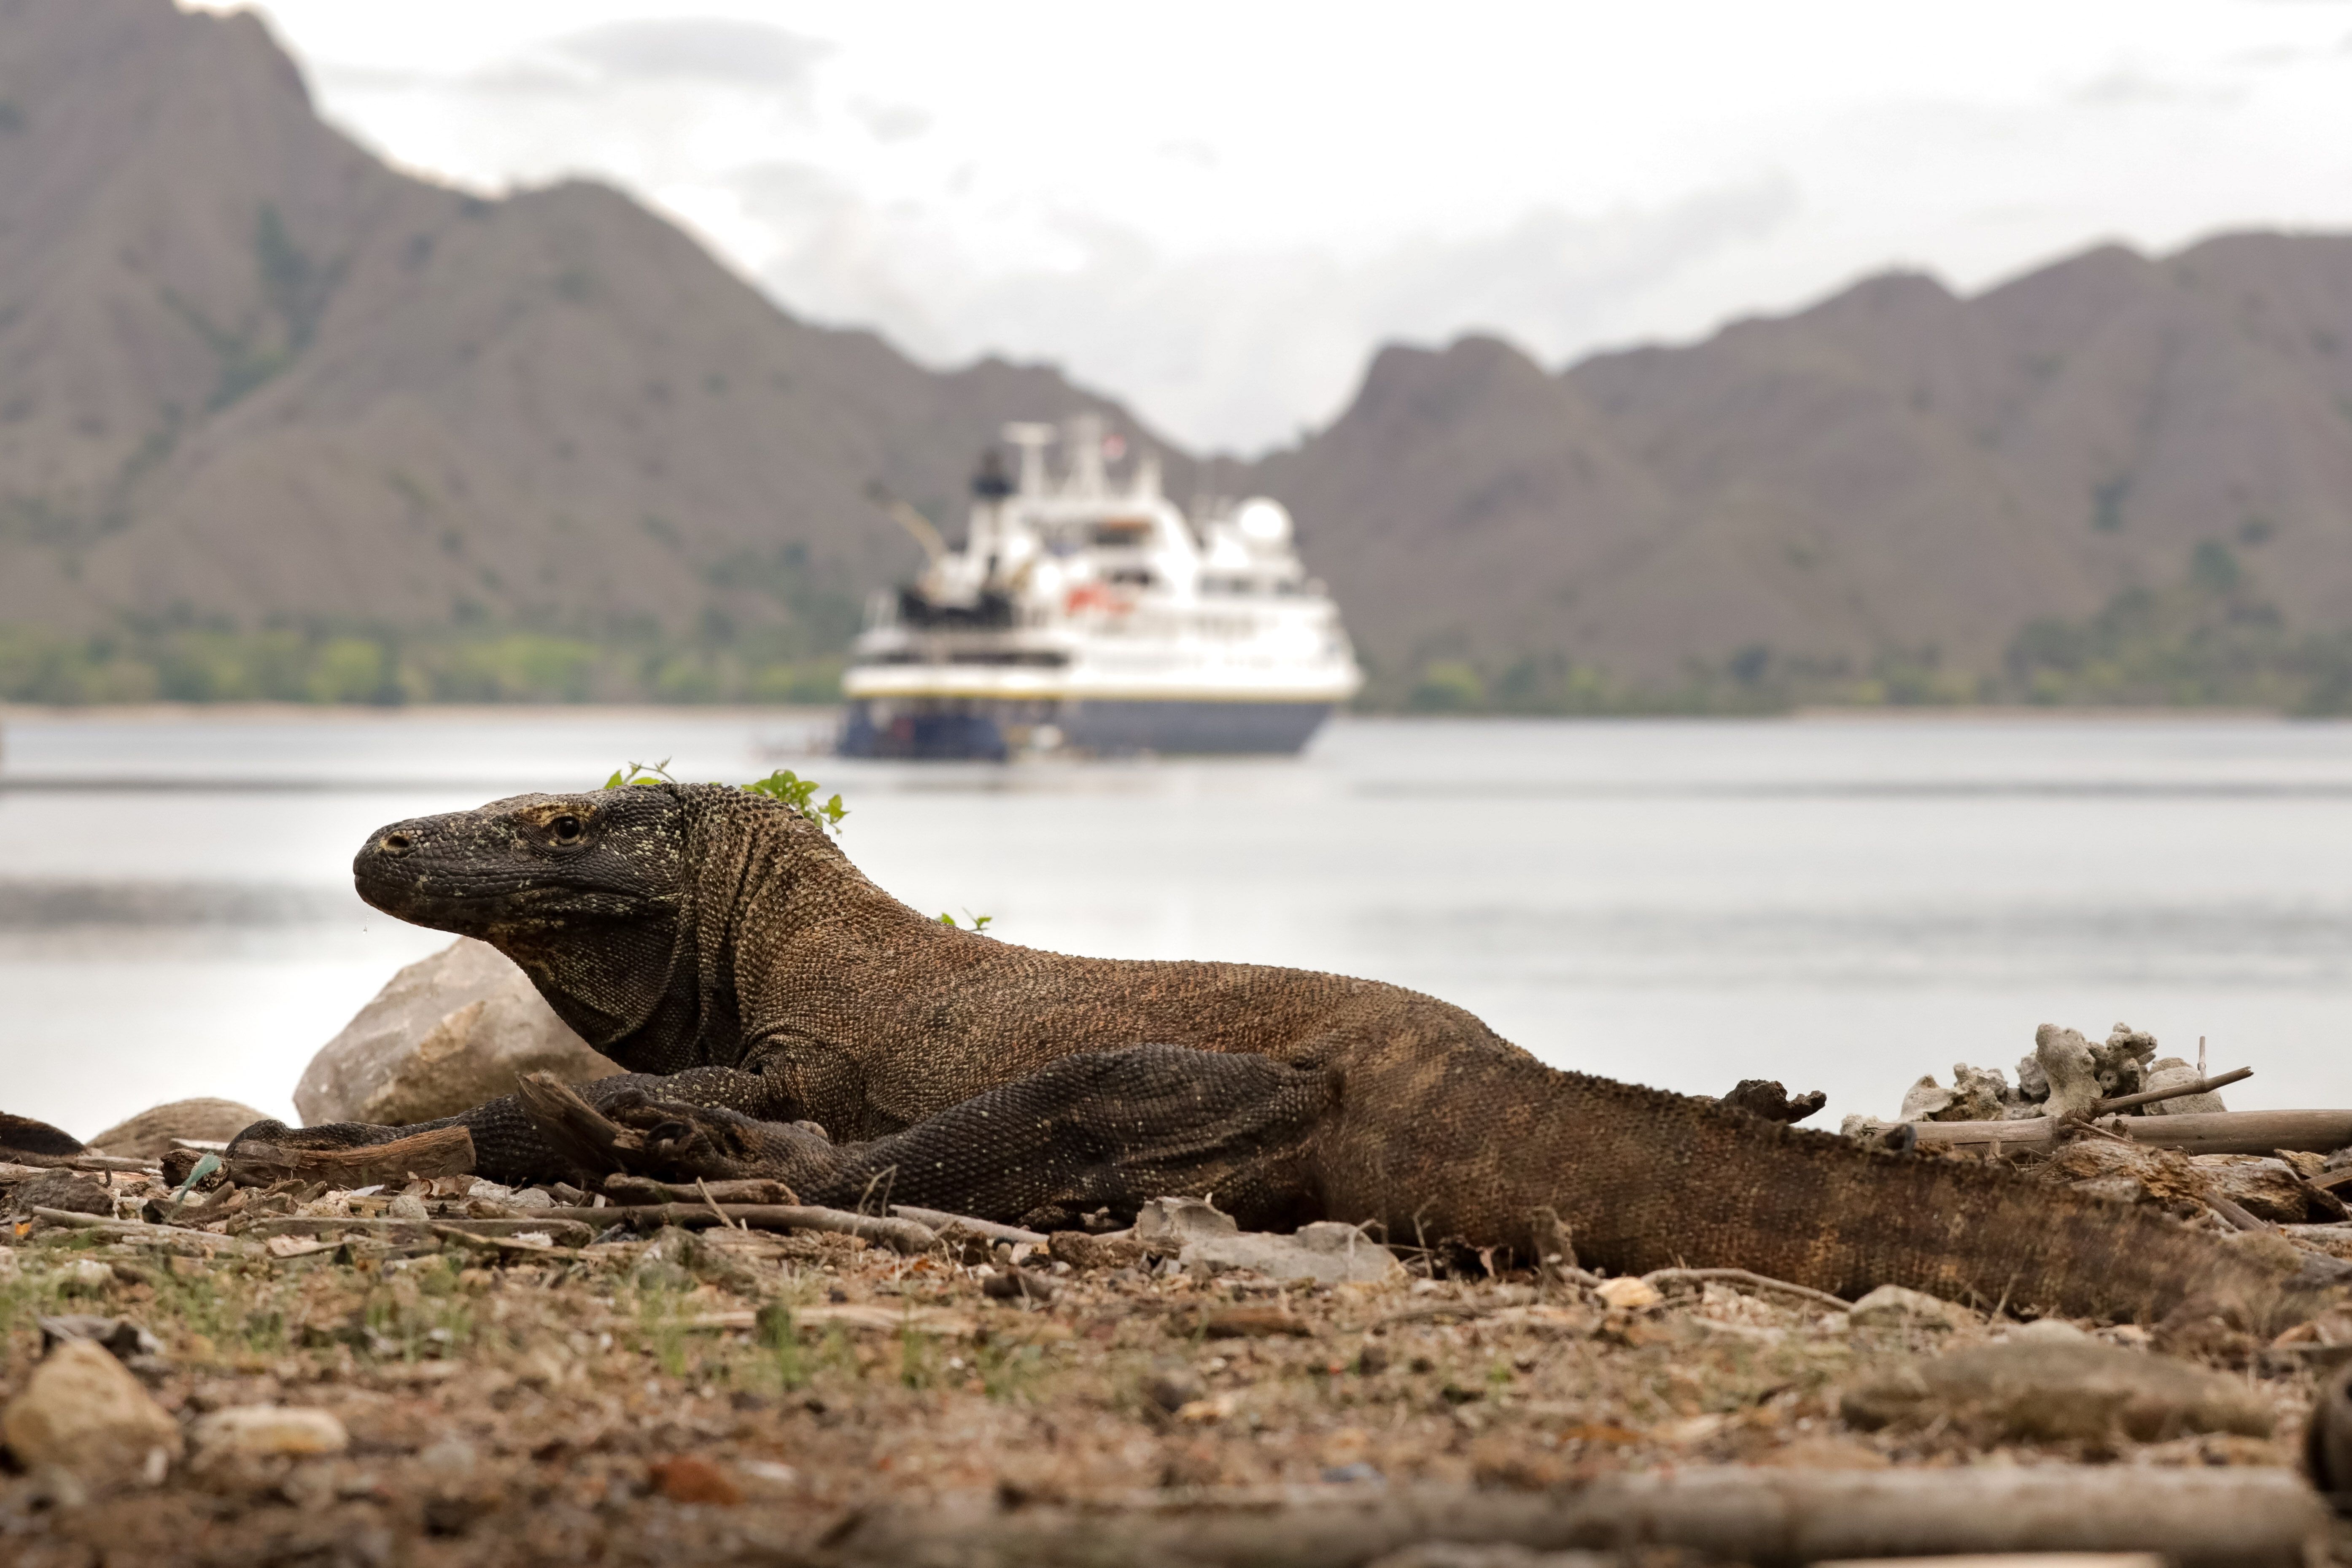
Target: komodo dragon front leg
x=1099 y=1129
x=508 y=1148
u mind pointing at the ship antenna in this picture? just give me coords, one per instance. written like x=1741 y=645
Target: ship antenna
x=907 y=517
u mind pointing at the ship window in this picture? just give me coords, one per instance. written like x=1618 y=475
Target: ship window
x=1133 y=576
x=1121 y=533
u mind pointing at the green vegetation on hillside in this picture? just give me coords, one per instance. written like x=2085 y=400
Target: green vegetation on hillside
x=2207 y=640
x=467 y=665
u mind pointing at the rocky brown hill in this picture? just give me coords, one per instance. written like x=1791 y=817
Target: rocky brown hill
x=1897 y=477
x=249 y=375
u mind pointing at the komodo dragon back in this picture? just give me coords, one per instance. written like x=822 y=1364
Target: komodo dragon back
x=706 y=932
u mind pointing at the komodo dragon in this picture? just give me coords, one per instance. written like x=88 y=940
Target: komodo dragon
x=722 y=947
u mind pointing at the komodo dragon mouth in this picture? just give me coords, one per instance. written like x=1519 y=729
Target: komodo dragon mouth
x=721 y=946
x=607 y=856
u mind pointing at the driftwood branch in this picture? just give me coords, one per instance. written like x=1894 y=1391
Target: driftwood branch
x=141 y=1232
x=2243 y=1517
x=380 y=1227
x=29 y=1160
x=2176 y=1091
x=899 y=1235
x=939 y=1219
x=2204 y=1132
x=627 y=1189
x=1658 y=1278
x=444 y=1152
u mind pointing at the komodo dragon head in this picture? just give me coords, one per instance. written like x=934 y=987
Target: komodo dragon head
x=594 y=895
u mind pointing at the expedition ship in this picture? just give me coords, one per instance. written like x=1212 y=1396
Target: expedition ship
x=1085 y=615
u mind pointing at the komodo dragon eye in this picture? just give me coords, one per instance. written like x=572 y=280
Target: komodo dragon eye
x=566 y=829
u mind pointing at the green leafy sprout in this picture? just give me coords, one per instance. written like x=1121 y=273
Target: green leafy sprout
x=978 y=922
x=783 y=784
x=800 y=794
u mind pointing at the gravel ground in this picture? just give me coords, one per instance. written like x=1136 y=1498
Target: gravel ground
x=723 y=1396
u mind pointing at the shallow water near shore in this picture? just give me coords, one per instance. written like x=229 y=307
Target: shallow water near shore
x=1840 y=903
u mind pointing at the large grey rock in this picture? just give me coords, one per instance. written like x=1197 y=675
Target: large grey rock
x=149 y=1134
x=448 y=1033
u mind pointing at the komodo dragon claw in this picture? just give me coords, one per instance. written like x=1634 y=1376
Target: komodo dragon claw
x=640 y=1135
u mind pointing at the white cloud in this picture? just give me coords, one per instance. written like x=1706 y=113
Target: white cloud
x=705 y=48
x=1220 y=222
x=1239 y=349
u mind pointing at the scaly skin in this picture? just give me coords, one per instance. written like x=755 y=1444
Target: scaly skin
x=724 y=950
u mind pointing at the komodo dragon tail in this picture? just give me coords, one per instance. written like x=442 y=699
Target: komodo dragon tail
x=1650 y=1180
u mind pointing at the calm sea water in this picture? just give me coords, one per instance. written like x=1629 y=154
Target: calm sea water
x=1842 y=904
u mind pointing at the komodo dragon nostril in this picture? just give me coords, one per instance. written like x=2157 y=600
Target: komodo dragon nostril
x=396 y=844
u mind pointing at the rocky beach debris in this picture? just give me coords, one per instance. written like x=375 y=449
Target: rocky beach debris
x=398 y=1353
x=454 y=1361
x=2101 y=1117
x=2064 y=1075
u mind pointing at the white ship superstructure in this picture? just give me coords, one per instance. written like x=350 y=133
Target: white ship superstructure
x=1089 y=613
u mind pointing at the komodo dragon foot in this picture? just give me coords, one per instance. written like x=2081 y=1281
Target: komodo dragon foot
x=635 y=1132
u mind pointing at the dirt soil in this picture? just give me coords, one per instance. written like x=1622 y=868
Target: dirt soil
x=737 y=1396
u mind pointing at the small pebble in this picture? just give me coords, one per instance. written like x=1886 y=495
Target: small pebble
x=688 y=1479
x=407 y=1207
x=82 y=1412
x=269 y=1429
x=2048 y=1330
x=1892 y=1306
x=1627 y=1294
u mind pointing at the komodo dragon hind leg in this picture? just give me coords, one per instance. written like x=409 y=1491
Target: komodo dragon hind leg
x=1112 y=1130
x=1101 y=1130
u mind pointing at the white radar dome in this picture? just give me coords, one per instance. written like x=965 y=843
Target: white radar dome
x=1263 y=520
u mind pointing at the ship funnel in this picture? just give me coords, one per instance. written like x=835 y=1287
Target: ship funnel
x=1086 y=449
x=1032 y=441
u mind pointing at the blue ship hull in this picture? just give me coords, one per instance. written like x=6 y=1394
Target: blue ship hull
x=956 y=729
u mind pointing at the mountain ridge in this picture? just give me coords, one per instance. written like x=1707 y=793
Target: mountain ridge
x=277 y=419
x=1897 y=472
x=252 y=377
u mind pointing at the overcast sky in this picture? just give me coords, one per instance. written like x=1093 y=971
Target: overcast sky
x=1216 y=212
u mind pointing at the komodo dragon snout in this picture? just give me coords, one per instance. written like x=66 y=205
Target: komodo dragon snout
x=529 y=860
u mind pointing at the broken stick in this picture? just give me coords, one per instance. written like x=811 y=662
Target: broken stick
x=2201 y=1132
x=2176 y=1091
x=444 y=1152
